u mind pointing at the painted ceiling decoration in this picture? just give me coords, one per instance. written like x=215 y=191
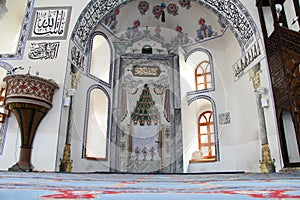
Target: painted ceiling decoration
x=229 y=12
x=143 y=7
x=185 y=3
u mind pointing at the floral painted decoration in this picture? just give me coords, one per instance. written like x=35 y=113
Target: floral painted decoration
x=172 y=9
x=111 y=19
x=157 y=10
x=185 y=3
x=204 y=30
x=136 y=23
x=178 y=28
x=143 y=7
x=157 y=33
x=181 y=37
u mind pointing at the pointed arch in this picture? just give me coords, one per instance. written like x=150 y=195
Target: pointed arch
x=202 y=61
x=100 y=58
x=206 y=136
x=210 y=129
x=96 y=127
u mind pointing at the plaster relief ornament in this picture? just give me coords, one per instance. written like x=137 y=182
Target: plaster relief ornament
x=185 y=3
x=145 y=153
x=143 y=7
x=137 y=152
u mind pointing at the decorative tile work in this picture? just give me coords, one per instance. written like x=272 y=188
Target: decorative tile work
x=23 y=34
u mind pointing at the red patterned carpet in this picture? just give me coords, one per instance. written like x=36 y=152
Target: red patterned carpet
x=15 y=185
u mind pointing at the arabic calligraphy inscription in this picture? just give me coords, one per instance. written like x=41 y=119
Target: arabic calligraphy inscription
x=50 y=23
x=44 y=50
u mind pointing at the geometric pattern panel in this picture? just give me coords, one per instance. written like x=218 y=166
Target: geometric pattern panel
x=26 y=86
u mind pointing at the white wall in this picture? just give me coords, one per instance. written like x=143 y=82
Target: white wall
x=239 y=141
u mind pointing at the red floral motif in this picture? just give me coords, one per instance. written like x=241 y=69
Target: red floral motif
x=117 y=11
x=185 y=3
x=137 y=23
x=172 y=9
x=67 y=194
x=157 y=10
x=276 y=194
x=143 y=7
x=178 y=28
x=201 y=21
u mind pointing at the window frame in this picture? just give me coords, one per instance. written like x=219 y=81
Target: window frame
x=208 y=123
x=86 y=123
x=90 y=53
x=205 y=75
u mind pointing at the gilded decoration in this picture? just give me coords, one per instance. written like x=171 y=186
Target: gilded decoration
x=146 y=71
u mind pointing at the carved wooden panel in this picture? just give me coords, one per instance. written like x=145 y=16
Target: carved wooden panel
x=292 y=62
x=283 y=51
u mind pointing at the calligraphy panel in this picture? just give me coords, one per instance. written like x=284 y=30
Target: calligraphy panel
x=50 y=23
x=146 y=71
x=43 y=50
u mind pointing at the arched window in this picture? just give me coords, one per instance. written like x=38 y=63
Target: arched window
x=206 y=136
x=100 y=58
x=198 y=71
x=203 y=78
x=147 y=49
x=97 y=128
